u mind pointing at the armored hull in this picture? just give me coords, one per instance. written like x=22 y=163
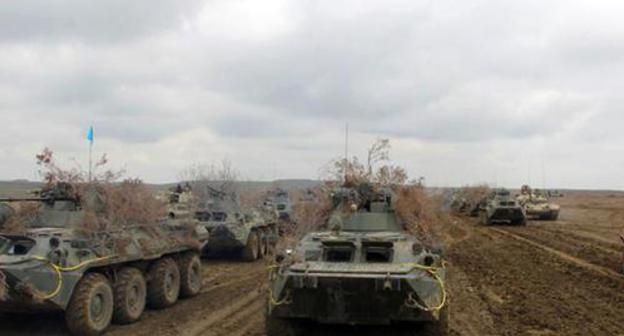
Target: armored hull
x=543 y=212
x=375 y=287
x=250 y=235
x=366 y=270
x=56 y=263
x=502 y=209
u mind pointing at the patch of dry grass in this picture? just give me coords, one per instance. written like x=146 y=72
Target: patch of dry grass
x=107 y=204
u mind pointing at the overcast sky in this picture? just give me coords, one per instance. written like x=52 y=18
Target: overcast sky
x=504 y=92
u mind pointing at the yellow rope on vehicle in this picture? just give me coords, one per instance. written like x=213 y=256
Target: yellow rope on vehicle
x=58 y=271
x=285 y=301
x=433 y=272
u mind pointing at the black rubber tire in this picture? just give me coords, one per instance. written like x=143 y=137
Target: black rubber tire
x=163 y=287
x=250 y=251
x=282 y=327
x=130 y=293
x=90 y=310
x=190 y=275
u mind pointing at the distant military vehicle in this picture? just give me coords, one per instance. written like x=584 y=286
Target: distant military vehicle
x=536 y=205
x=365 y=270
x=469 y=200
x=95 y=277
x=280 y=199
x=180 y=201
x=250 y=233
x=554 y=193
x=501 y=208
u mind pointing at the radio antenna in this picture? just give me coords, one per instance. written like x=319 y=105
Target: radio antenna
x=346 y=151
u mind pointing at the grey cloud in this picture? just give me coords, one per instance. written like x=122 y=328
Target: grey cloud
x=90 y=21
x=441 y=74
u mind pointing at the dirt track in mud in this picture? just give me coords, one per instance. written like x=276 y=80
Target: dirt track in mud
x=549 y=278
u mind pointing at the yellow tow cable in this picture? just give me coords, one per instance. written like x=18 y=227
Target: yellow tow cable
x=432 y=271
x=58 y=270
x=272 y=300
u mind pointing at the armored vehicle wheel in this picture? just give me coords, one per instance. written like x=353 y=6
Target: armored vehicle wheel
x=439 y=327
x=130 y=293
x=250 y=251
x=282 y=327
x=190 y=275
x=90 y=309
x=163 y=287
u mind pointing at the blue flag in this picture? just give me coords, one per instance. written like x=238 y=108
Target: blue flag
x=90 y=134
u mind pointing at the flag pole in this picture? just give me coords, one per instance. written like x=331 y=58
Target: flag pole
x=90 y=159
x=90 y=138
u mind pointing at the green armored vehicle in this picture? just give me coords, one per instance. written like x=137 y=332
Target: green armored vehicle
x=536 y=205
x=501 y=208
x=283 y=206
x=250 y=233
x=366 y=270
x=55 y=264
x=179 y=202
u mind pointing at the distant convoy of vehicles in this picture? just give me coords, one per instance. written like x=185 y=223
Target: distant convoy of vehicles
x=500 y=207
x=363 y=268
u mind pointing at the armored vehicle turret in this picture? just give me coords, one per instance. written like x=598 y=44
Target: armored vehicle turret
x=250 y=233
x=365 y=269
x=57 y=263
x=536 y=205
x=501 y=208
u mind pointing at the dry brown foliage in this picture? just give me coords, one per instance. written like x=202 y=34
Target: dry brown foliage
x=117 y=205
x=107 y=204
x=473 y=194
x=421 y=214
x=23 y=212
x=352 y=172
x=252 y=198
x=310 y=214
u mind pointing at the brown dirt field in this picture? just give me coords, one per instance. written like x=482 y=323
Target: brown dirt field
x=548 y=278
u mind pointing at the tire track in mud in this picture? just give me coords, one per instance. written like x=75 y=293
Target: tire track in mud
x=527 y=290
x=225 y=320
x=565 y=256
x=228 y=293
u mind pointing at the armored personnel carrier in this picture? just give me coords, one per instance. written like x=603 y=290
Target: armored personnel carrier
x=95 y=277
x=250 y=233
x=536 y=205
x=501 y=208
x=365 y=270
x=179 y=202
x=280 y=200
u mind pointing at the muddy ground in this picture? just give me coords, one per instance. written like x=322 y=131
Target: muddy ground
x=549 y=278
